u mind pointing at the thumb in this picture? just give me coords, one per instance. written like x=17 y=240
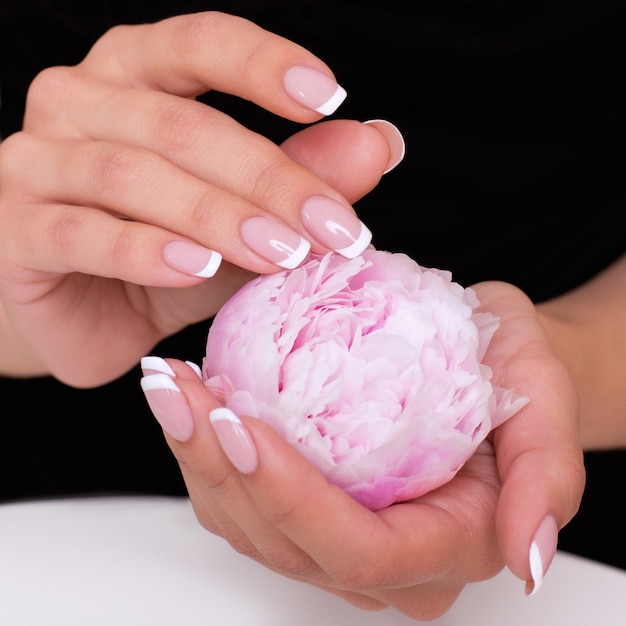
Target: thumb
x=349 y=155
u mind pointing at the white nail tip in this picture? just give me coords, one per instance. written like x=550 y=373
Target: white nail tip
x=297 y=256
x=196 y=368
x=157 y=364
x=333 y=103
x=158 y=381
x=223 y=414
x=354 y=249
x=536 y=568
x=211 y=267
x=394 y=137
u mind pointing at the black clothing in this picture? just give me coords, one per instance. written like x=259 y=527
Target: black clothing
x=513 y=117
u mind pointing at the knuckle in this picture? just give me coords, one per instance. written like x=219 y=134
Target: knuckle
x=202 y=211
x=113 y=167
x=291 y=563
x=214 y=477
x=15 y=150
x=263 y=50
x=47 y=86
x=361 y=575
x=65 y=232
x=239 y=542
x=110 y=42
x=270 y=181
x=177 y=128
x=191 y=32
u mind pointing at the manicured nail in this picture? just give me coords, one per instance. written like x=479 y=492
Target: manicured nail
x=335 y=226
x=397 y=147
x=168 y=405
x=196 y=368
x=155 y=365
x=192 y=258
x=313 y=89
x=542 y=551
x=275 y=241
x=235 y=440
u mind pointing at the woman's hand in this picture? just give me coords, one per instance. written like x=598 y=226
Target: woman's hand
x=122 y=193
x=505 y=505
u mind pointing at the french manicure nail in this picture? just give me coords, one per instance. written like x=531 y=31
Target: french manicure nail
x=335 y=226
x=542 y=551
x=168 y=405
x=196 y=368
x=313 y=89
x=234 y=439
x=192 y=258
x=397 y=147
x=275 y=241
x=155 y=365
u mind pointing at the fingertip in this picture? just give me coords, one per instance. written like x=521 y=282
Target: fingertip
x=152 y=364
x=168 y=405
x=313 y=89
x=541 y=553
x=393 y=136
x=234 y=439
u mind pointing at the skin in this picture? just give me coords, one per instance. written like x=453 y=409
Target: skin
x=75 y=280
x=587 y=329
x=415 y=556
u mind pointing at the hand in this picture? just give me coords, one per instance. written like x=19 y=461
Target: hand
x=270 y=504
x=122 y=193
x=279 y=510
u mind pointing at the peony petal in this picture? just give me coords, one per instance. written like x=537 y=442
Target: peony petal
x=371 y=367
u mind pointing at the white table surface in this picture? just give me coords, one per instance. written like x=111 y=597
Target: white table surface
x=146 y=561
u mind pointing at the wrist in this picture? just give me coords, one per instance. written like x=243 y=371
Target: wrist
x=588 y=349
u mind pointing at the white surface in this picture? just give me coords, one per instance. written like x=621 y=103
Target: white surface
x=146 y=561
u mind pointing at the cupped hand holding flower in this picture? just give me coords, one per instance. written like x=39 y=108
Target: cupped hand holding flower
x=415 y=556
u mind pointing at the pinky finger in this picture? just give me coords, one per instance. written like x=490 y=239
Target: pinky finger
x=64 y=239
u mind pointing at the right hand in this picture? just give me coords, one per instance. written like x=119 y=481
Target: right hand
x=121 y=186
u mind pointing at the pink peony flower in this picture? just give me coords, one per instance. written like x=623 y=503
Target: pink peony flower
x=370 y=367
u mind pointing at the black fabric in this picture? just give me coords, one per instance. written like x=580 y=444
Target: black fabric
x=513 y=116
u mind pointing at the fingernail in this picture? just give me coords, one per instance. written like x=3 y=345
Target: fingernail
x=168 y=405
x=313 y=89
x=155 y=365
x=397 y=147
x=192 y=258
x=542 y=551
x=235 y=440
x=275 y=241
x=335 y=226
x=196 y=368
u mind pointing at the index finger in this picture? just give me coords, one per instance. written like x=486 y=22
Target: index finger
x=190 y=54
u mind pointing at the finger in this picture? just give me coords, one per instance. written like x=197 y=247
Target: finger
x=349 y=156
x=186 y=55
x=541 y=467
x=221 y=501
x=180 y=403
x=61 y=239
x=149 y=189
x=543 y=478
x=212 y=146
x=146 y=188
